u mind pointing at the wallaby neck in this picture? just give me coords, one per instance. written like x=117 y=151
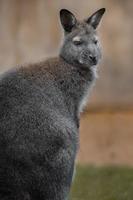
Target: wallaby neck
x=84 y=74
x=76 y=82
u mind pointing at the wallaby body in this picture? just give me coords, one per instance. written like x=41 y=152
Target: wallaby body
x=40 y=106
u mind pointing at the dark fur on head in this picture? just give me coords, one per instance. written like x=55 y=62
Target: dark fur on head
x=40 y=105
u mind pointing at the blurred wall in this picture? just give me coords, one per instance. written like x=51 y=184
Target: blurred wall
x=30 y=31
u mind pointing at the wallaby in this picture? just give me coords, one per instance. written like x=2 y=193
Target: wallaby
x=40 y=106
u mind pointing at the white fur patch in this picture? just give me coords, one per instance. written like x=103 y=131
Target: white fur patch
x=76 y=39
x=85 y=98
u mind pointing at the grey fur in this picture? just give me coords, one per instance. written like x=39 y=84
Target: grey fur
x=40 y=106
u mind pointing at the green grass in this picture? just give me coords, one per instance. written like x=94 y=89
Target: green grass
x=103 y=183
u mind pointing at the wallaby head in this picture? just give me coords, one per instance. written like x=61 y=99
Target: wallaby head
x=81 y=45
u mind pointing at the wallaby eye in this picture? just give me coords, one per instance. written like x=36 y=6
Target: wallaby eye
x=95 y=41
x=78 y=43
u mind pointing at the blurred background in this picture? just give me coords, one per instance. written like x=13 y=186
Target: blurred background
x=30 y=31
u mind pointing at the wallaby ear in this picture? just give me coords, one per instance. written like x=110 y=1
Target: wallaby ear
x=68 y=20
x=95 y=19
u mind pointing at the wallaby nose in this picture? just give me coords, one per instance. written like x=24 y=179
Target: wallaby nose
x=93 y=59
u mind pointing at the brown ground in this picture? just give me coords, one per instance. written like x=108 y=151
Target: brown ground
x=106 y=138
